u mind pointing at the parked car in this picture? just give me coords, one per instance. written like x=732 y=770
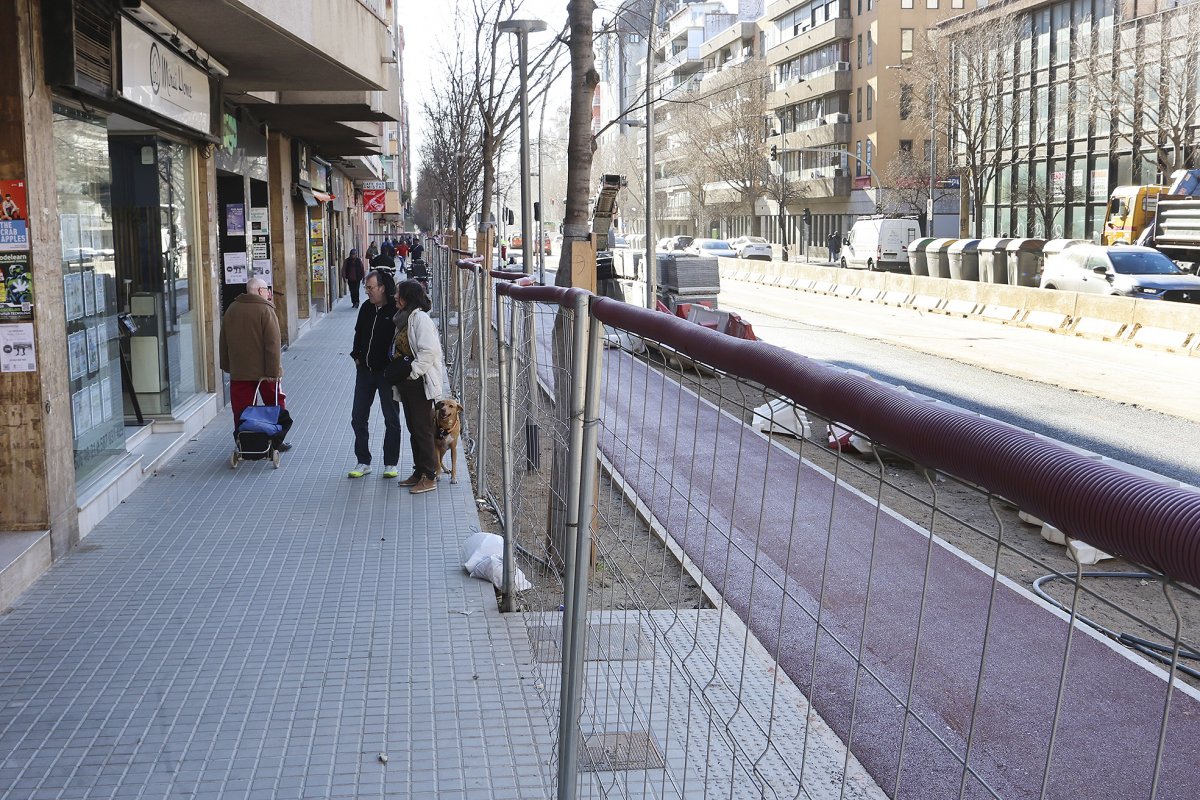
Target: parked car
x=675 y=243
x=1126 y=270
x=755 y=247
x=879 y=243
x=711 y=248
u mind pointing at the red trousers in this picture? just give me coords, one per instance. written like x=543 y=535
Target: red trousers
x=241 y=394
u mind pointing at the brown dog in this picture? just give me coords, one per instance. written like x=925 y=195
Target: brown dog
x=446 y=428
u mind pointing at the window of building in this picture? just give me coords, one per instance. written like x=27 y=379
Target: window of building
x=905 y=148
x=870 y=48
x=956 y=3
x=858 y=159
x=906 y=43
x=870 y=100
x=860 y=51
x=931 y=3
x=858 y=104
x=906 y=3
x=869 y=149
x=906 y=99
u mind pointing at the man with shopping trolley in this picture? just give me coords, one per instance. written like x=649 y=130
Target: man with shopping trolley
x=250 y=352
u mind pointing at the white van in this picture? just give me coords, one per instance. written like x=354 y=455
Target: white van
x=880 y=243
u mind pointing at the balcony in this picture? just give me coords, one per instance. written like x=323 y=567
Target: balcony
x=819 y=186
x=830 y=130
x=831 y=79
x=272 y=45
x=687 y=57
x=831 y=31
x=733 y=35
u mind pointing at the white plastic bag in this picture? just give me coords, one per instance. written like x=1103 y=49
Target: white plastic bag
x=483 y=557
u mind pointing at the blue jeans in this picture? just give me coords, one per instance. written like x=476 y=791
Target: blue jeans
x=368 y=384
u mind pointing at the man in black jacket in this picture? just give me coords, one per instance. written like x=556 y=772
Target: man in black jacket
x=373 y=334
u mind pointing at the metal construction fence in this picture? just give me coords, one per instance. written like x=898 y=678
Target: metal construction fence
x=754 y=575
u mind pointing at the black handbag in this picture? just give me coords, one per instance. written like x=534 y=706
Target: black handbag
x=398 y=370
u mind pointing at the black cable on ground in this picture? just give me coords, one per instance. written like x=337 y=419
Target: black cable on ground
x=1155 y=650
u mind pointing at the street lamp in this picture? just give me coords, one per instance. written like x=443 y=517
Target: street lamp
x=522 y=28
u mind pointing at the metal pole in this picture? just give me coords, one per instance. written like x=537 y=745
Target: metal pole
x=571 y=709
x=481 y=439
x=651 y=248
x=460 y=360
x=526 y=194
x=933 y=150
x=507 y=596
x=541 y=239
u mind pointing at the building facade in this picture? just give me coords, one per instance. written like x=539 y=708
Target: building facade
x=156 y=156
x=1102 y=93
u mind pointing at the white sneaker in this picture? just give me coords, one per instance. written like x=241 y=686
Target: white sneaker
x=359 y=471
x=391 y=472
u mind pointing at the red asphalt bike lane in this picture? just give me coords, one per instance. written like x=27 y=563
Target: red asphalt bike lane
x=783 y=543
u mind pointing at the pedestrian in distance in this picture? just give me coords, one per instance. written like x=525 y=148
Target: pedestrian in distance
x=417 y=376
x=417 y=251
x=372 y=251
x=402 y=255
x=373 y=335
x=385 y=260
x=249 y=345
x=835 y=245
x=353 y=272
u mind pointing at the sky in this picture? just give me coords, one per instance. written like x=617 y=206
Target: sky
x=428 y=25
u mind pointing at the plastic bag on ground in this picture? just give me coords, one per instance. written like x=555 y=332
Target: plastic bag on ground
x=483 y=558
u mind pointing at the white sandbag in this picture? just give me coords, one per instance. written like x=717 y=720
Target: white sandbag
x=492 y=569
x=479 y=546
x=781 y=416
x=483 y=558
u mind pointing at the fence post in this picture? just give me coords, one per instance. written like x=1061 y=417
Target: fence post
x=460 y=362
x=481 y=432
x=507 y=599
x=571 y=707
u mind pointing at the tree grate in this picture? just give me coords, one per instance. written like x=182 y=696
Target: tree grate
x=612 y=752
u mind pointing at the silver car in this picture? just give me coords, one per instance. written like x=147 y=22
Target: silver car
x=1125 y=270
x=711 y=248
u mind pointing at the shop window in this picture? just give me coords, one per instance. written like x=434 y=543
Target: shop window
x=84 y=179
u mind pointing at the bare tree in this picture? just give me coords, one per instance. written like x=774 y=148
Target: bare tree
x=451 y=148
x=1143 y=80
x=725 y=141
x=963 y=79
x=496 y=84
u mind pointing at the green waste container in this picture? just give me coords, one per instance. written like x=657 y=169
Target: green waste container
x=938 y=257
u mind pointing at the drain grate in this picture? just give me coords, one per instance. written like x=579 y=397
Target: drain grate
x=611 y=752
x=613 y=642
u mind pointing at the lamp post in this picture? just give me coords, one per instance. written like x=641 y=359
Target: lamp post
x=522 y=28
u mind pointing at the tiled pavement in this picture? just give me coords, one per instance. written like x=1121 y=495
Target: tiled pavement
x=266 y=633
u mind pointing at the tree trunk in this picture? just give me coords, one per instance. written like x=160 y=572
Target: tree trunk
x=576 y=240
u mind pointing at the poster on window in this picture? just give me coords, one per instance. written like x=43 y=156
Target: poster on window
x=16 y=287
x=101 y=294
x=81 y=413
x=235 y=219
x=89 y=292
x=73 y=295
x=14 y=229
x=77 y=355
x=106 y=398
x=262 y=269
x=93 y=350
x=16 y=348
x=259 y=223
x=94 y=404
x=235 y=267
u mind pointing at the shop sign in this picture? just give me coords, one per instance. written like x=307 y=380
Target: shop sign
x=154 y=76
x=14 y=230
x=374 y=196
x=316 y=175
x=16 y=287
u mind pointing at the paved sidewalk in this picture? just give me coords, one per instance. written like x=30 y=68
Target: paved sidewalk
x=266 y=633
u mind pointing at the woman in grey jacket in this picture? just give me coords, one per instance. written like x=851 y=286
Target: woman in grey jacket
x=417 y=342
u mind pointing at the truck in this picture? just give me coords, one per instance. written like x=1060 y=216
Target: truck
x=1174 y=229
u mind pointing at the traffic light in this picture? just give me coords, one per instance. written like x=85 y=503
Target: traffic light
x=509 y=217
x=537 y=211
x=807 y=217
x=774 y=152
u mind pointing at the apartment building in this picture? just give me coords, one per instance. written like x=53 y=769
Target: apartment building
x=1103 y=92
x=159 y=154
x=836 y=80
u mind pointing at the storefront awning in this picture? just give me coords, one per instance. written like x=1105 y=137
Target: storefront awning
x=324 y=197
x=306 y=195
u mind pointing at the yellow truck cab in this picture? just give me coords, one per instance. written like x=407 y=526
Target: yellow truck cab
x=1130 y=210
